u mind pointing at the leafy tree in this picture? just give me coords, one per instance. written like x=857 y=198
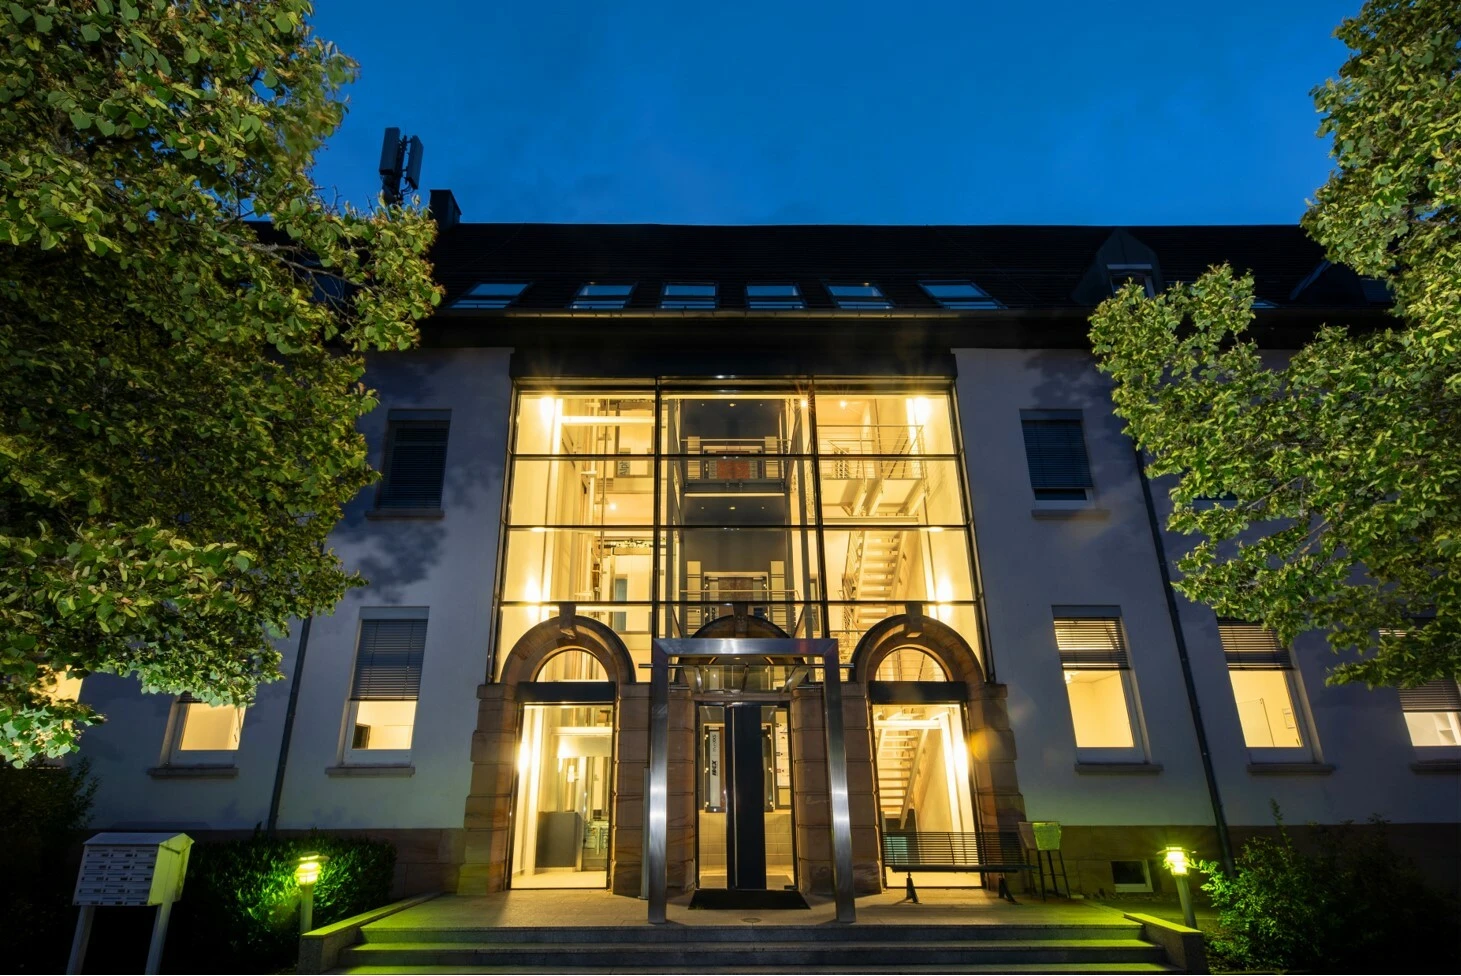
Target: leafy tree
x=1345 y=462
x=180 y=382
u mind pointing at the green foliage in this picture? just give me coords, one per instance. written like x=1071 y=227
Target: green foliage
x=43 y=810
x=180 y=382
x=240 y=905
x=1349 y=906
x=1346 y=462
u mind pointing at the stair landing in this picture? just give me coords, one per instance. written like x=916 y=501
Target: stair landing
x=595 y=932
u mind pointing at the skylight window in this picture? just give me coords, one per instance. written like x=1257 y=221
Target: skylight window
x=600 y=296
x=491 y=294
x=682 y=294
x=858 y=296
x=771 y=296
x=1120 y=274
x=959 y=294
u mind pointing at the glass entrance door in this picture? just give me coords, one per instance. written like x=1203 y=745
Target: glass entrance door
x=561 y=818
x=744 y=797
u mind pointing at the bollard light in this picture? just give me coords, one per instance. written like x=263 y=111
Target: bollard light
x=306 y=873
x=1176 y=860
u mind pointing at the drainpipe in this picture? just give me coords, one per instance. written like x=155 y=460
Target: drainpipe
x=1219 y=818
x=273 y=822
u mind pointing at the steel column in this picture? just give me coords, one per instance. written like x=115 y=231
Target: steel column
x=837 y=782
x=659 y=779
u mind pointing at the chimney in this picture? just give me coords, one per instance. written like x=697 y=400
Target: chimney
x=444 y=209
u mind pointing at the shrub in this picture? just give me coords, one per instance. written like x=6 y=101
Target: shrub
x=42 y=812
x=240 y=904
x=1346 y=906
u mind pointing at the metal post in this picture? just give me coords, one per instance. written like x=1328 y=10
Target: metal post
x=159 y=938
x=837 y=782
x=1184 y=893
x=80 y=939
x=659 y=778
x=306 y=908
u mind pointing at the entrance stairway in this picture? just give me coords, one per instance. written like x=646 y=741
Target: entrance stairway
x=898 y=750
x=1100 y=947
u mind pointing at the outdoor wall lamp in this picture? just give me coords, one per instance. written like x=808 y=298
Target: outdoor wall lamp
x=306 y=873
x=1177 y=863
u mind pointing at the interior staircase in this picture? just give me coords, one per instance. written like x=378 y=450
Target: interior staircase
x=897 y=750
x=1103 y=947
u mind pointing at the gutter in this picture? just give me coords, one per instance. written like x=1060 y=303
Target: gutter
x=1220 y=820
x=273 y=821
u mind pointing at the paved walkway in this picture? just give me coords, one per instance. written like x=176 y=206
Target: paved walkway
x=553 y=908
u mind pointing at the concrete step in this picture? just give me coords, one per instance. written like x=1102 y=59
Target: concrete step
x=695 y=957
x=917 y=933
x=1083 y=967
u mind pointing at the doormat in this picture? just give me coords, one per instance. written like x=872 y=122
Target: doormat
x=737 y=899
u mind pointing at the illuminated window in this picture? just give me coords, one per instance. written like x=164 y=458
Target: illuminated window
x=1433 y=714
x=386 y=684
x=858 y=296
x=1097 y=673
x=572 y=665
x=203 y=734
x=1262 y=675
x=1055 y=450
x=490 y=294
x=65 y=687
x=910 y=664
x=415 y=460
x=959 y=294
x=688 y=295
x=772 y=296
x=602 y=296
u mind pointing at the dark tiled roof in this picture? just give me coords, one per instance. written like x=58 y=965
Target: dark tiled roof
x=1030 y=267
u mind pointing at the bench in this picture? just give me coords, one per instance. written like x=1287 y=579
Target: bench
x=981 y=852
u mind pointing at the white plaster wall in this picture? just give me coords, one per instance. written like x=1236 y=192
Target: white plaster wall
x=1359 y=731
x=447 y=565
x=1029 y=565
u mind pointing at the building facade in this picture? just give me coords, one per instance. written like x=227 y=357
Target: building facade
x=894 y=438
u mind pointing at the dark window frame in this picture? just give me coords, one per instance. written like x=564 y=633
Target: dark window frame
x=386 y=503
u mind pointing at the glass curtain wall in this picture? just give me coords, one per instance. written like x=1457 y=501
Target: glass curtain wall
x=658 y=508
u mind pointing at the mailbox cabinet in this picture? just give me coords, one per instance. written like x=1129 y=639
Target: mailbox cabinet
x=132 y=869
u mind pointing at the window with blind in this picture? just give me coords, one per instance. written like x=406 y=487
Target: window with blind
x=415 y=460
x=1055 y=449
x=1097 y=671
x=1432 y=710
x=1260 y=670
x=385 y=684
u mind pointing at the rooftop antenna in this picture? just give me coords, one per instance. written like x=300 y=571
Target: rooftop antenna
x=400 y=159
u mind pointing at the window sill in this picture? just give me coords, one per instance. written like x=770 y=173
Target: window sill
x=1070 y=513
x=208 y=771
x=1289 y=769
x=1436 y=766
x=1118 y=768
x=394 y=514
x=384 y=769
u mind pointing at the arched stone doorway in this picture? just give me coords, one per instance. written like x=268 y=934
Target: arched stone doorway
x=569 y=664
x=915 y=670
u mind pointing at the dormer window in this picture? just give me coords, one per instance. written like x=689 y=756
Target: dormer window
x=602 y=296
x=1120 y=274
x=491 y=294
x=960 y=294
x=771 y=296
x=861 y=295
x=688 y=295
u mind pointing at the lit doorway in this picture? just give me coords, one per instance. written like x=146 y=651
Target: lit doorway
x=743 y=793
x=561 y=817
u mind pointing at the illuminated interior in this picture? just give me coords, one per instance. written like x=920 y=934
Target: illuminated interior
x=561 y=818
x=923 y=777
x=1430 y=729
x=1266 y=709
x=740 y=495
x=1099 y=708
x=209 y=728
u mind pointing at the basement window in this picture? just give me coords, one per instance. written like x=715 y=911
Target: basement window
x=1130 y=876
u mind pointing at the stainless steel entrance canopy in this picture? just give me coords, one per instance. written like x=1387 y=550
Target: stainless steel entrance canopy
x=800 y=653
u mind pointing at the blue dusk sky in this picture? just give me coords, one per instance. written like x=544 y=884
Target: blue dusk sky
x=799 y=112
